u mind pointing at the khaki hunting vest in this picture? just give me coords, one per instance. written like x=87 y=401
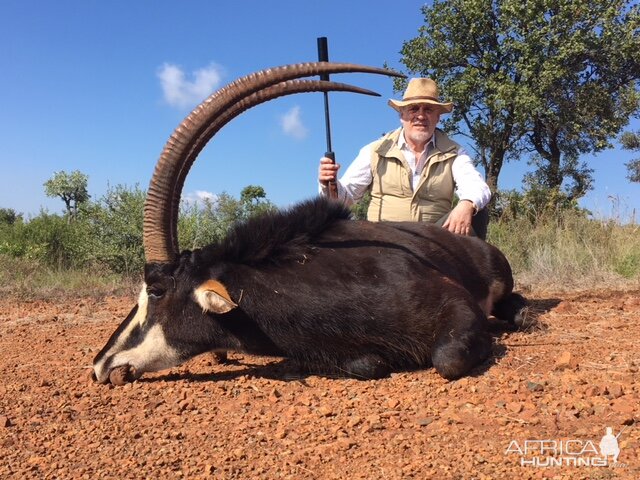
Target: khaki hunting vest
x=393 y=199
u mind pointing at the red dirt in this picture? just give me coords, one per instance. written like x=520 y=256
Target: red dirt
x=567 y=379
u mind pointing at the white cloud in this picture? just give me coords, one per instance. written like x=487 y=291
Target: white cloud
x=182 y=92
x=292 y=124
x=199 y=197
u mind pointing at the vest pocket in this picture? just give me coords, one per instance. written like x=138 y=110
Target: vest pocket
x=393 y=178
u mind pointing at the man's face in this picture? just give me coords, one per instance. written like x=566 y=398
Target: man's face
x=419 y=122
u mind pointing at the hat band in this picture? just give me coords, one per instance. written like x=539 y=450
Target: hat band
x=420 y=98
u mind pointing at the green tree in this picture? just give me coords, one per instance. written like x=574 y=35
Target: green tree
x=197 y=224
x=8 y=216
x=631 y=141
x=70 y=187
x=548 y=79
x=361 y=208
x=116 y=224
x=253 y=201
x=208 y=221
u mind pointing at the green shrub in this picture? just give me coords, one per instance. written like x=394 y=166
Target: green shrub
x=116 y=229
x=51 y=239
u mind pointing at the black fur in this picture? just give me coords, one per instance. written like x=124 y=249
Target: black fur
x=339 y=296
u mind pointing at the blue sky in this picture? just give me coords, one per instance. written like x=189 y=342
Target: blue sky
x=98 y=86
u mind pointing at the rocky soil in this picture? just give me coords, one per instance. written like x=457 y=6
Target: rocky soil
x=545 y=398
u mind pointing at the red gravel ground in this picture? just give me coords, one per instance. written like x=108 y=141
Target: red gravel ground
x=567 y=379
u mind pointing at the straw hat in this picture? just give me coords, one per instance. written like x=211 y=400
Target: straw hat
x=421 y=90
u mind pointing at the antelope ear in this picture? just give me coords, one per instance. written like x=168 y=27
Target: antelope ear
x=213 y=297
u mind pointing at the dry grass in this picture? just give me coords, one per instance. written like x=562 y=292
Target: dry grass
x=571 y=253
x=28 y=279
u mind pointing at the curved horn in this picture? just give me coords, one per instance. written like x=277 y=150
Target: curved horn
x=191 y=136
x=288 y=87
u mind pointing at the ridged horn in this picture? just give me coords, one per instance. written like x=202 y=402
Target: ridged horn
x=190 y=137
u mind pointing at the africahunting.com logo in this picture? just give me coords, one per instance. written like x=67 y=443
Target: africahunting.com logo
x=568 y=453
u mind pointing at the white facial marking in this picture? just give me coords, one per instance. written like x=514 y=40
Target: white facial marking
x=153 y=354
x=137 y=320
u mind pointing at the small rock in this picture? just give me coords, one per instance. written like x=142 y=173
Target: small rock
x=153 y=404
x=373 y=419
x=565 y=307
x=615 y=391
x=354 y=421
x=345 y=443
x=393 y=403
x=535 y=387
x=37 y=460
x=5 y=422
x=239 y=453
x=454 y=418
x=564 y=361
x=424 y=421
x=592 y=391
x=35 y=420
x=219 y=358
x=325 y=411
x=514 y=407
x=275 y=394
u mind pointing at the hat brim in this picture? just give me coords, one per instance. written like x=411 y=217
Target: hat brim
x=446 y=107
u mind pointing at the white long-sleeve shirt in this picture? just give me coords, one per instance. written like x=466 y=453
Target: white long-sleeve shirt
x=358 y=177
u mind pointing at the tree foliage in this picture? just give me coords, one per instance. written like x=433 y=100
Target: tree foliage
x=116 y=228
x=361 y=208
x=201 y=224
x=546 y=79
x=631 y=141
x=8 y=216
x=70 y=187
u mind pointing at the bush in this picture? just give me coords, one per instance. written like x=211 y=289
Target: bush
x=51 y=239
x=108 y=233
x=116 y=229
x=200 y=225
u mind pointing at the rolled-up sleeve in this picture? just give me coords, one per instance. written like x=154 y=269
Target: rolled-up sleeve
x=469 y=182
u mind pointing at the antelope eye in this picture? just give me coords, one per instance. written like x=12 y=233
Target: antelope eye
x=155 y=293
